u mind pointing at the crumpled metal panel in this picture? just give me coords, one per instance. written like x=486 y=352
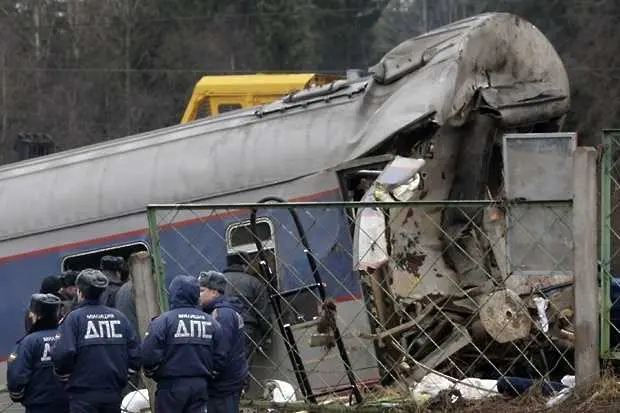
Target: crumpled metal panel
x=496 y=51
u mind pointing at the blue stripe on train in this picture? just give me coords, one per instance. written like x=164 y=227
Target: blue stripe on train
x=22 y=277
x=327 y=232
x=192 y=246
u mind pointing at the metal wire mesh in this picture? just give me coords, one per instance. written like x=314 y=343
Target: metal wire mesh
x=610 y=245
x=416 y=291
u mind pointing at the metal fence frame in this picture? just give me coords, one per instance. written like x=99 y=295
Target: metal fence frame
x=611 y=143
x=154 y=225
x=152 y=209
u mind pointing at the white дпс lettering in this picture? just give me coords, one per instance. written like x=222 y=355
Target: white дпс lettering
x=47 y=349
x=102 y=329
x=197 y=329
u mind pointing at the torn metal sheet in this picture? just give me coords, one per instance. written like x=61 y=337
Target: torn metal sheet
x=418 y=267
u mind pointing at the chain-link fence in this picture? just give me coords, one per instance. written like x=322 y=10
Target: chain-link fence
x=610 y=244
x=380 y=299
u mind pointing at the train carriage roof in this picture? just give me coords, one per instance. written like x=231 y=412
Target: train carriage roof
x=496 y=60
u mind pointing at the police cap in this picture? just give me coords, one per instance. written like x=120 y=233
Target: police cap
x=111 y=263
x=213 y=280
x=90 y=280
x=44 y=303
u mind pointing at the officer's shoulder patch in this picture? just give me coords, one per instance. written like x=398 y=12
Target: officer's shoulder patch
x=12 y=358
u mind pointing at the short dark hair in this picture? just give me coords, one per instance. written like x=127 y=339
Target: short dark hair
x=238 y=258
x=67 y=278
x=111 y=263
x=50 y=285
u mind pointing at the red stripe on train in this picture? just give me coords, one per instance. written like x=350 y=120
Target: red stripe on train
x=143 y=232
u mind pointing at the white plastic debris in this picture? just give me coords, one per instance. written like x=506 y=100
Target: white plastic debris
x=281 y=391
x=470 y=388
x=136 y=402
x=559 y=398
x=370 y=240
x=541 y=306
x=569 y=382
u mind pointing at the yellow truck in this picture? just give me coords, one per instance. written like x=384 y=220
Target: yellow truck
x=213 y=95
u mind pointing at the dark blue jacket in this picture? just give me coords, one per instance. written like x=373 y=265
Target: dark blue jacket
x=30 y=374
x=96 y=351
x=180 y=342
x=227 y=312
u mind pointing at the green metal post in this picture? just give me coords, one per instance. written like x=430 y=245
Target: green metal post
x=158 y=263
x=605 y=258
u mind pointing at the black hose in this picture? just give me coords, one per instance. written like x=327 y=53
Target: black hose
x=292 y=347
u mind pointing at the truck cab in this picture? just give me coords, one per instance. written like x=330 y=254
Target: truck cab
x=214 y=95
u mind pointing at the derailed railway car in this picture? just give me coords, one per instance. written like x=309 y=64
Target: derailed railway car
x=444 y=97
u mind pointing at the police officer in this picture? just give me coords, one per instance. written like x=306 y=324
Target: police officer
x=125 y=302
x=254 y=295
x=49 y=285
x=111 y=267
x=182 y=351
x=96 y=350
x=30 y=373
x=68 y=291
x=225 y=390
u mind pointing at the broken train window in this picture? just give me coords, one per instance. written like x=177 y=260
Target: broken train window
x=90 y=259
x=239 y=238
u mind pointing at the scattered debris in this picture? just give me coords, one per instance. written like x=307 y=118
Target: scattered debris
x=469 y=389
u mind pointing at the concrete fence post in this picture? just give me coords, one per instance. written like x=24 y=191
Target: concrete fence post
x=147 y=302
x=587 y=364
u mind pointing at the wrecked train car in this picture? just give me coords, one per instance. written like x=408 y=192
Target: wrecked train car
x=477 y=79
x=434 y=107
